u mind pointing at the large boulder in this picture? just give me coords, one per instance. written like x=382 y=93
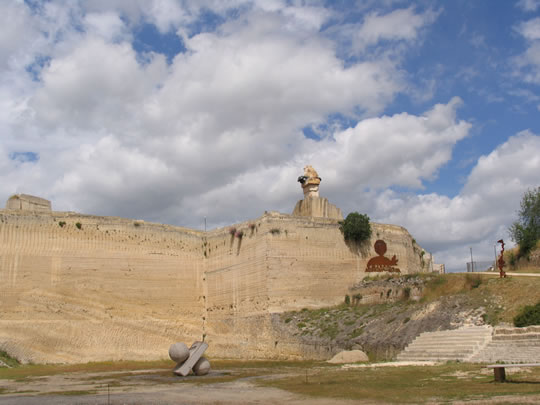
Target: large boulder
x=349 y=356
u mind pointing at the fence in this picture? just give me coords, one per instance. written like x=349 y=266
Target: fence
x=481 y=266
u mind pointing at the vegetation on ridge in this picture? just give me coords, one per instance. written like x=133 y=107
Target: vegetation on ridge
x=526 y=230
x=383 y=329
x=356 y=227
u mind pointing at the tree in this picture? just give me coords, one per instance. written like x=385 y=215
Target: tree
x=356 y=227
x=526 y=230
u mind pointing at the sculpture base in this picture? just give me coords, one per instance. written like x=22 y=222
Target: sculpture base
x=317 y=207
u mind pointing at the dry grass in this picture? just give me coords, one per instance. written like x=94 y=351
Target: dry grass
x=407 y=384
x=410 y=384
x=522 y=265
x=36 y=370
x=503 y=298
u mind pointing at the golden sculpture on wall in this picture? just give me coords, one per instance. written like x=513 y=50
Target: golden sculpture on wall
x=380 y=262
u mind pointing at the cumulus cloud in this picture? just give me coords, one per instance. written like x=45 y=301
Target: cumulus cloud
x=528 y=63
x=95 y=85
x=18 y=32
x=107 y=25
x=528 y=5
x=480 y=214
x=398 y=25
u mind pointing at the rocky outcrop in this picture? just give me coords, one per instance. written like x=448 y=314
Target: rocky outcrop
x=349 y=356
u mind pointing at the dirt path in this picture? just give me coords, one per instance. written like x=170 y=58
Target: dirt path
x=145 y=387
x=160 y=387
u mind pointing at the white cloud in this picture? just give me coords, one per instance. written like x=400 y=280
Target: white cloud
x=530 y=29
x=107 y=25
x=528 y=5
x=399 y=150
x=480 y=214
x=378 y=152
x=233 y=104
x=397 y=25
x=18 y=33
x=528 y=63
x=96 y=85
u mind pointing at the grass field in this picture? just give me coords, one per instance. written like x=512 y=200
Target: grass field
x=406 y=384
x=410 y=384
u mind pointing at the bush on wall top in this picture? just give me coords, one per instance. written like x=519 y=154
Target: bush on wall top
x=356 y=227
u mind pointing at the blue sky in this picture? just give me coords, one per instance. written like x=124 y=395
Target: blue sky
x=422 y=114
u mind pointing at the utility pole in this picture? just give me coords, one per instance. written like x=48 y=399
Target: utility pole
x=205 y=224
x=472 y=262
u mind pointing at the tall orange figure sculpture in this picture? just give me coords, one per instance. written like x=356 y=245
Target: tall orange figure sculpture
x=500 y=262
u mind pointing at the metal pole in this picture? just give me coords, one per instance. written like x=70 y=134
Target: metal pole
x=472 y=262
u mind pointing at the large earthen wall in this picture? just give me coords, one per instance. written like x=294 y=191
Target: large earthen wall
x=111 y=289
x=124 y=289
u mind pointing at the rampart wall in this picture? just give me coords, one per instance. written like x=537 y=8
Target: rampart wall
x=77 y=288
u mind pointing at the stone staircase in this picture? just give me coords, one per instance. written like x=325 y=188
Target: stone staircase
x=458 y=344
x=511 y=345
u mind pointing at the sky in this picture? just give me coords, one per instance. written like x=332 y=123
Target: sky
x=423 y=114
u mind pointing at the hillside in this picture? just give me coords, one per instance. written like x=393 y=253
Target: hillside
x=407 y=306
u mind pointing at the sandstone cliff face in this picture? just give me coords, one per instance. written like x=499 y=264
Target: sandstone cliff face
x=77 y=288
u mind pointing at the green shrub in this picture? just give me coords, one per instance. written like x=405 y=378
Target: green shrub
x=406 y=293
x=356 y=227
x=530 y=315
x=513 y=259
x=8 y=360
x=78 y=225
x=347 y=300
x=61 y=224
x=357 y=298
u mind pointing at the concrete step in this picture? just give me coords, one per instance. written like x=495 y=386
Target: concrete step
x=418 y=347
x=465 y=332
x=524 y=343
x=439 y=351
x=509 y=351
x=527 y=336
x=432 y=357
x=516 y=331
x=459 y=344
x=450 y=339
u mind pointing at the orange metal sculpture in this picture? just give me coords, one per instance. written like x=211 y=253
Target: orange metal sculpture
x=500 y=262
x=382 y=263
